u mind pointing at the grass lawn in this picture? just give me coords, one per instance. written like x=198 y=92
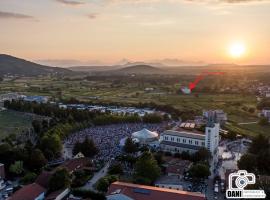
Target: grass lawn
x=13 y=122
x=265 y=130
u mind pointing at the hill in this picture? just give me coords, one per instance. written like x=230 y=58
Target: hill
x=92 y=68
x=16 y=66
x=139 y=69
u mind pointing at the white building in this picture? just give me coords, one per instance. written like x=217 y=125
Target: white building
x=266 y=113
x=176 y=141
x=220 y=115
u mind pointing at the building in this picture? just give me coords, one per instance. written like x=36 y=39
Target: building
x=177 y=141
x=29 y=192
x=37 y=99
x=2 y=171
x=220 y=115
x=2 y=184
x=266 y=113
x=10 y=97
x=77 y=164
x=129 y=191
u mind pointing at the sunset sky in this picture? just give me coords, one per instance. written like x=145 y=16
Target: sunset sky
x=107 y=31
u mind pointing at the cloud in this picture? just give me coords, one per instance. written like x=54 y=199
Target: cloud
x=200 y=1
x=92 y=16
x=70 y=2
x=11 y=15
x=227 y=1
x=156 y=23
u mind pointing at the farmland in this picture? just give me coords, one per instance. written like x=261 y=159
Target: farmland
x=127 y=90
x=13 y=122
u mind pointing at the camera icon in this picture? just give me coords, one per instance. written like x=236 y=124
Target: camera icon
x=240 y=180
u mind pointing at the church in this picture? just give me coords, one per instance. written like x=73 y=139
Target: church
x=179 y=140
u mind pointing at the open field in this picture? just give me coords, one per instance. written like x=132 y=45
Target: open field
x=133 y=91
x=13 y=122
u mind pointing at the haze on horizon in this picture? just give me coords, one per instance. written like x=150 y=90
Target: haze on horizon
x=107 y=31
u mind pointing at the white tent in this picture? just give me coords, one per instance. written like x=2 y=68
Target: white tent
x=145 y=135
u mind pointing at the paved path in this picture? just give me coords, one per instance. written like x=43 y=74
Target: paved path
x=101 y=173
x=243 y=123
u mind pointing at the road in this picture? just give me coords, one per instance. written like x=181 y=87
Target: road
x=101 y=173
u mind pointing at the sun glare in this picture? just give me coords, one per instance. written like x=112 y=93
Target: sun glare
x=237 y=50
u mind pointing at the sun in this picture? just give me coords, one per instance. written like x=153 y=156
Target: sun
x=237 y=50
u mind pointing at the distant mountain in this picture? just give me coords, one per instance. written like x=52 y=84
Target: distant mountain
x=17 y=66
x=139 y=69
x=130 y=67
x=156 y=64
x=93 y=68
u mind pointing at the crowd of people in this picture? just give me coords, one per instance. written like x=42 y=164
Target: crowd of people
x=107 y=138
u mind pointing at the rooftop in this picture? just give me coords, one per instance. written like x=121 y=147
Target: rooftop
x=194 y=134
x=76 y=164
x=28 y=192
x=142 y=192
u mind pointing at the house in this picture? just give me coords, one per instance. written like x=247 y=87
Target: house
x=2 y=171
x=29 y=192
x=76 y=164
x=129 y=191
x=44 y=178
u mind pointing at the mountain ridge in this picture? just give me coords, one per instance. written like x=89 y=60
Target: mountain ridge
x=10 y=65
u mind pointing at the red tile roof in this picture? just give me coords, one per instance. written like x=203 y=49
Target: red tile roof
x=28 y=192
x=43 y=179
x=75 y=164
x=142 y=192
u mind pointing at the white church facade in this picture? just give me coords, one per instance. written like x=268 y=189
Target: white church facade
x=177 y=141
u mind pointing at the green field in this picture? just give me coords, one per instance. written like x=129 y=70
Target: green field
x=125 y=91
x=13 y=122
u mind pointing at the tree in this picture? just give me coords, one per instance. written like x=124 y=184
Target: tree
x=59 y=180
x=28 y=178
x=152 y=118
x=247 y=162
x=147 y=167
x=37 y=160
x=259 y=143
x=263 y=162
x=16 y=168
x=202 y=155
x=116 y=169
x=199 y=171
x=264 y=121
x=130 y=146
x=37 y=126
x=87 y=148
x=51 y=146
x=104 y=182
x=5 y=152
